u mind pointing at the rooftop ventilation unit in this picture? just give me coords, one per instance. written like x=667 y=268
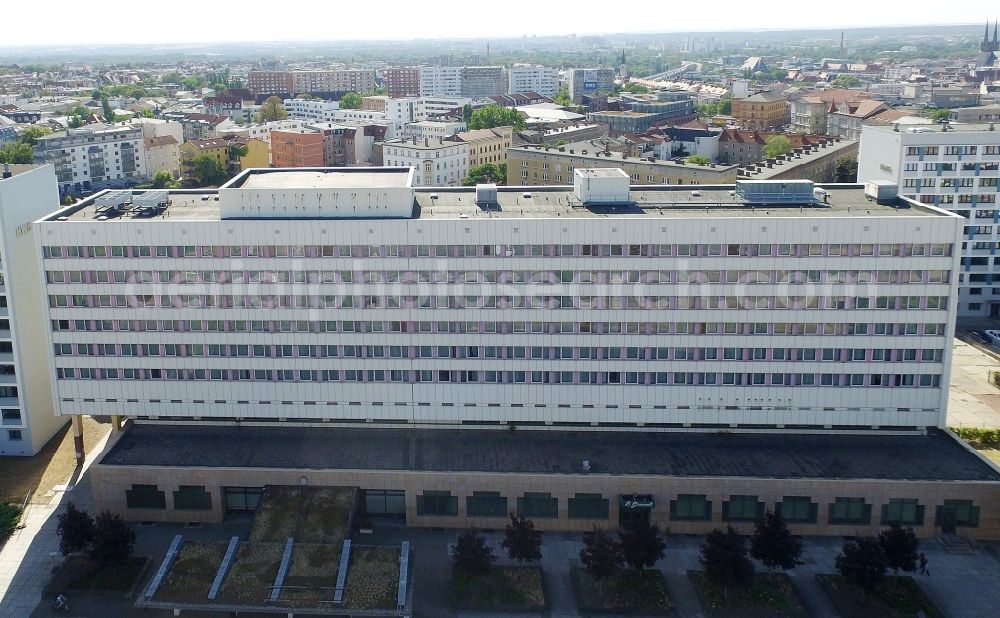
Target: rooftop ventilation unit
x=596 y=186
x=776 y=192
x=486 y=194
x=113 y=200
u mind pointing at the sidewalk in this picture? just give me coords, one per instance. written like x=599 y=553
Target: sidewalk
x=30 y=554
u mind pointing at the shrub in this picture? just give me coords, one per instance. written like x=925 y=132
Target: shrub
x=472 y=555
x=75 y=530
x=113 y=542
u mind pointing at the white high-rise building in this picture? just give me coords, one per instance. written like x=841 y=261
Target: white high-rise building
x=349 y=295
x=441 y=81
x=533 y=78
x=28 y=422
x=957 y=168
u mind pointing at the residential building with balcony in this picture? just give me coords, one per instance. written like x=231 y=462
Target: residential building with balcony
x=438 y=81
x=94 y=157
x=956 y=168
x=402 y=82
x=533 y=78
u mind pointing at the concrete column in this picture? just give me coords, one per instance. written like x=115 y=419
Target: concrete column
x=116 y=423
x=78 y=438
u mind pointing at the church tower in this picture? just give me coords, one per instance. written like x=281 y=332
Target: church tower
x=988 y=49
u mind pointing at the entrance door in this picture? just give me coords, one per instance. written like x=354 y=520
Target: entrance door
x=385 y=503
x=634 y=510
x=947 y=520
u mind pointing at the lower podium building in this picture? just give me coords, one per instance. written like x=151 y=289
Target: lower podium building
x=580 y=355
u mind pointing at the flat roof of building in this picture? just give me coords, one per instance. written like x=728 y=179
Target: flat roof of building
x=548 y=202
x=316 y=179
x=932 y=457
x=593 y=150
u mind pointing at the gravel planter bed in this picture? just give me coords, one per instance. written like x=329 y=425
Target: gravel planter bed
x=192 y=573
x=373 y=578
x=769 y=595
x=307 y=514
x=505 y=588
x=895 y=597
x=630 y=592
x=252 y=574
x=312 y=576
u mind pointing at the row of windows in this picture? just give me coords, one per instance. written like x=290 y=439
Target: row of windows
x=498 y=352
x=949 y=182
x=545 y=277
x=503 y=250
x=537 y=301
x=951 y=150
x=697 y=507
x=551 y=328
x=952 y=166
x=505 y=377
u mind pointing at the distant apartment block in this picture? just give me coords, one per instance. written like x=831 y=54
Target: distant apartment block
x=433 y=129
x=416 y=109
x=435 y=162
x=482 y=81
x=374 y=103
x=533 y=78
x=315 y=111
x=97 y=156
x=27 y=193
x=644 y=113
x=297 y=148
x=485 y=145
x=298 y=82
x=957 y=168
x=762 y=111
x=441 y=81
x=402 y=82
x=588 y=82
x=269 y=82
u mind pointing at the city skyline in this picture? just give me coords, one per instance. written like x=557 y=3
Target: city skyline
x=451 y=21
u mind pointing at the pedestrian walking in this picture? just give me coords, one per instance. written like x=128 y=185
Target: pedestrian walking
x=923 y=565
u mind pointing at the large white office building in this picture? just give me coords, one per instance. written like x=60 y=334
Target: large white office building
x=533 y=78
x=957 y=168
x=349 y=295
x=27 y=192
x=297 y=326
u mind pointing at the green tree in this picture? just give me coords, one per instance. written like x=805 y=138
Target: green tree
x=724 y=559
x=206 y=170
x=846 y=81
x=146 y=112
x=601 y=555
x=725 y=107
x=900 y=547
x=937 y=115
x=30 y=135
x=485 y=174
x=109 y=114
x=698 y=160
x=642 y=545
x=847 y=169
x=773 y=544
x=74 y=122
x=16 y=153
x=636 y=88
x=496 y=116
x=776 y=145
x=472 y=555
x=75 y=530
x=862 y=562
x=163 y=179
x=351 y=100
x=522 y=542
x=272 y=110
x=113 y=541
x=467 y=113
x=562 y=98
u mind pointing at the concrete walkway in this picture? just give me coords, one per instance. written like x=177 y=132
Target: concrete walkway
x=32 y=552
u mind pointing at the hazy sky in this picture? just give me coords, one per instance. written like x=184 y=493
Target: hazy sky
x=60 y=22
